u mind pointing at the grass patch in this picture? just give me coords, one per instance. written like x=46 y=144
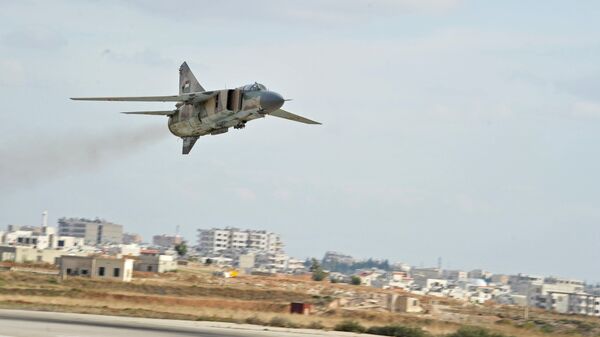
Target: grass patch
x=316 y=325
x=255 y=320
x=397 y=331
x=350 y=326
x=472 y=331
x=282 y=322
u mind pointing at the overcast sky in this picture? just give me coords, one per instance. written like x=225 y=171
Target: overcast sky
x=462 y=129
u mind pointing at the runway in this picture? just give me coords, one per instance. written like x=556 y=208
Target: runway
x=21 y=323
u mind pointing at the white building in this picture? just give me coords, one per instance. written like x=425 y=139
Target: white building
x=67 y=242
x=584 y=304
x=33 y=240
x=152 y=261
x=213 y=241
x=124 y=250
x=11 y=236
x=23 y=254
x=96 y=267
x=43 y=238
x=399 y=280
x=295 y=265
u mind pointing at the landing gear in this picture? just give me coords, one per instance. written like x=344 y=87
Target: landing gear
x=240 y=125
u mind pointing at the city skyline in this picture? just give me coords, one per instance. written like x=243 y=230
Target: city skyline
x=193 y=241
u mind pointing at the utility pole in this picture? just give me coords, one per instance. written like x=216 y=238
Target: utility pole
x=526 y=311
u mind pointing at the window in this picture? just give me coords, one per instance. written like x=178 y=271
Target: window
x=84 y=272
x=149 y=268
x=61 y=243
x=68 y=271
x=101 y=271
x=116 y=272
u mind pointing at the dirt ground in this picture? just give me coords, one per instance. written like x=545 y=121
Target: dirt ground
x=194 y=293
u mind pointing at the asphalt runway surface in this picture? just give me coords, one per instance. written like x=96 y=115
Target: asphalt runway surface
x=21 y=323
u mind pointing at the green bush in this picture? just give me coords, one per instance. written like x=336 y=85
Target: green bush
x=355 y=280
x=547 y=328
x=472 y=331
x=397 y=331
x=350 y=326
x=319 y=275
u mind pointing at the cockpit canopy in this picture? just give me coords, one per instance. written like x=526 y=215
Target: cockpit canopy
x=254 y=87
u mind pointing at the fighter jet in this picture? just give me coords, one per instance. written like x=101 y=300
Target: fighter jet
x=199 y=112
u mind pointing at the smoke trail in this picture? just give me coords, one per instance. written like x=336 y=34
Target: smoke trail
x=23 y=164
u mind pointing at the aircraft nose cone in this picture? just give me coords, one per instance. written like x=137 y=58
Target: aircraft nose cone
x=271 y=101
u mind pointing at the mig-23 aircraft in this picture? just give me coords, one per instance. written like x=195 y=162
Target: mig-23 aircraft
x=199 y=112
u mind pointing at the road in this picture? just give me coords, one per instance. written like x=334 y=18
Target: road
x=21 y=323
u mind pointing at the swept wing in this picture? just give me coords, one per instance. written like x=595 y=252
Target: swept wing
x=293 y=117
x=194 y=97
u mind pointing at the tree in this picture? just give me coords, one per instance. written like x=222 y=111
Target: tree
x=314 y=265
x=181 y=248
x=355 y=280
x=318 y=274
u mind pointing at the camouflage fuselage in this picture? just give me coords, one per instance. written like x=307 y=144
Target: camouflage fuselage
x=215 y=115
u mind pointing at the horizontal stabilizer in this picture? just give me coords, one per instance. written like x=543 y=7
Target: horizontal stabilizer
x=155 y=113
x=288 y=115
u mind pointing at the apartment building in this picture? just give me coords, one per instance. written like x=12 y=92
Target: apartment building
x=216 y=240
x=165 y=240
x=92 y=231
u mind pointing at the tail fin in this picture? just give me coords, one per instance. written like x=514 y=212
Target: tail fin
x=187 y=81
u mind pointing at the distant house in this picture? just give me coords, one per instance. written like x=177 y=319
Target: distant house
x=370 y=277
x=151 y=260
x=397 y=303
x=96 y=267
